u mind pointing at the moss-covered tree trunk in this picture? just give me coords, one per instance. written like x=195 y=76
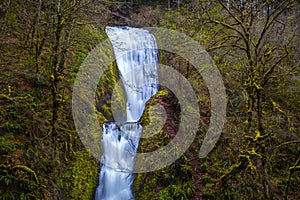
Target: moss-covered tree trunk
x=54 y=77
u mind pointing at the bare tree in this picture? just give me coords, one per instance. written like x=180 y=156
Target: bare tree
x=253 y=29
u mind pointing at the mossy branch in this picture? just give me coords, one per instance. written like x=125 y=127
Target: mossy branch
x=235 y=169
x=291 y=171
x=283 y=144
x=6 y=97
x=26 y=169
x=257 y=138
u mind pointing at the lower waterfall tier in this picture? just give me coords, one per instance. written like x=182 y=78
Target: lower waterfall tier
x=120 y=146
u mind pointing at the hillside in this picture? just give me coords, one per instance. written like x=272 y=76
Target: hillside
x=254 y=45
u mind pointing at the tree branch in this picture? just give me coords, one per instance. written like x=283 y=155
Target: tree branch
x=283 y=5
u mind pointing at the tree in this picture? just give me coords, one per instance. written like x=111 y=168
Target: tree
x=253 y=30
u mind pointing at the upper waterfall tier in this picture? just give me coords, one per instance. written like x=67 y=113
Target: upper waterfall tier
x=136 y=57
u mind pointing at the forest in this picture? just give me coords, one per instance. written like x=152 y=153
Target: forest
x=255 y=46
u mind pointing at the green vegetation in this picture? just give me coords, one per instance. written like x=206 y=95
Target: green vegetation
x=255 y=45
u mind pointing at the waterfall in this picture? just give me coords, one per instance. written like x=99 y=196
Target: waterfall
x=120 y=145
x=136 y=57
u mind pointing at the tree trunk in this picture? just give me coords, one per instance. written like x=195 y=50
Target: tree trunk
x=262 y=145
x=55 y=73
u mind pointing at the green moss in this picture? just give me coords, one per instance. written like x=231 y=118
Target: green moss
x=79 y=179
x=182 y=191
x=152 y=189
x=145 y=119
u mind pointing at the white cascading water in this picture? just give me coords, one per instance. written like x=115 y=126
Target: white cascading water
x=136 y=56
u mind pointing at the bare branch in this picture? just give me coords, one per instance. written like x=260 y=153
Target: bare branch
x=283 y=5
x=239 y=21
x=271 y=69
